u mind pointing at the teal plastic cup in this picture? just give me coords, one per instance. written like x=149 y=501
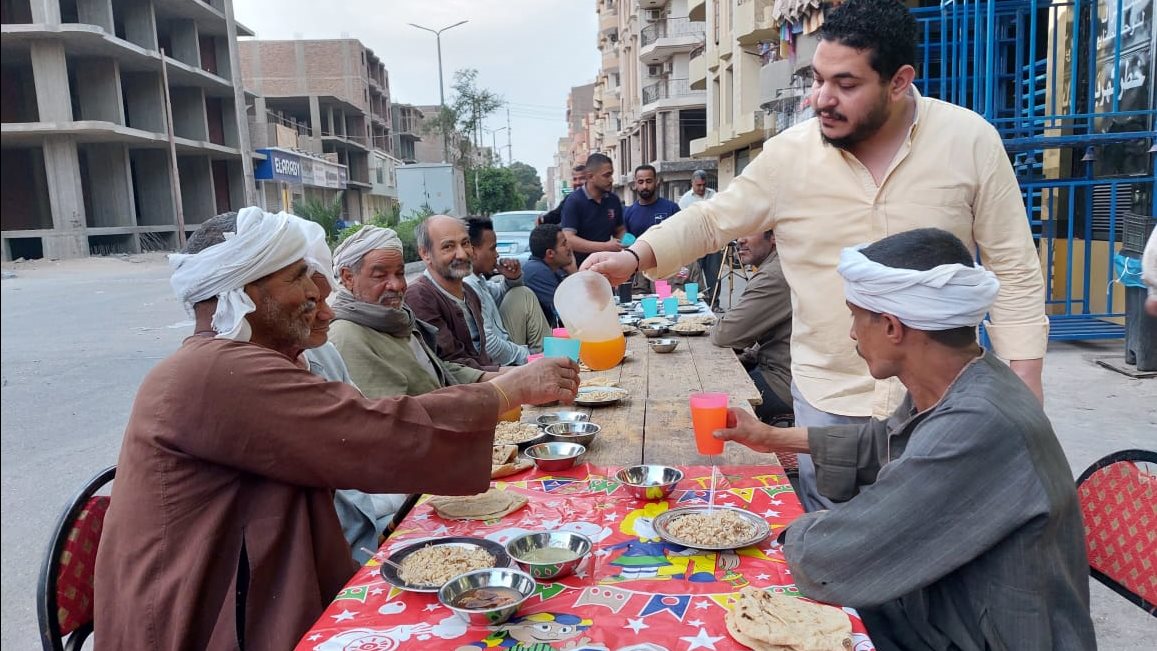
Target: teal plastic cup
x=671 y=306
x=557 y=347
x=692 y=290
x=650 y=307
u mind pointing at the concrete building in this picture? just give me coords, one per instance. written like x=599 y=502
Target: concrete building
x=336 y=95
x=580 y=118
x=85 y=152
x=647 y=110
x=740 y=33
x=407 y=132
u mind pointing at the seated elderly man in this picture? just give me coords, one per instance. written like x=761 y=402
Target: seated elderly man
x=221 y=531
x=514 y=322
x=759 y=324
x=440 y=296
x=363 y=516
x=388 y=351
x=959 y=526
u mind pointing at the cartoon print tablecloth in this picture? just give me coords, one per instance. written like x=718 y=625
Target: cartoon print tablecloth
x=634 y=592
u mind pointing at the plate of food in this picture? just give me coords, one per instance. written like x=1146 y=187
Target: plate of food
x=689 y=329
x=656 y=321
x=600 y=381
x=629 y=330
x=427 y=565
x=702 y=319
x=689 y=308
x=718 y=529
x=516 y=433
x=599 y=396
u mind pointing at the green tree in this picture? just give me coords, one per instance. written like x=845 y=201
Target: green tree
x=473 y=104
x=496 y=191
x=529 y=185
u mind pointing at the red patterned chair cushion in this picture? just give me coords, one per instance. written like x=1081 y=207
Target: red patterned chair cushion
x=1119 y=505
x=74 y=579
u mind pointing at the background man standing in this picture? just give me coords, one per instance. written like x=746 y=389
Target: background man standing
x=650 y=208
x=593 y=215
x=712 y=261
x=878 y=159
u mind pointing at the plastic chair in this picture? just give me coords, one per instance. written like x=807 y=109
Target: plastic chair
x=788 y=460
x=64 y=594
x=1119 y=505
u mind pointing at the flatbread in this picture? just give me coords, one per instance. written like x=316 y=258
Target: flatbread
x=504 y=462
x=765 y=621
x=491 y=505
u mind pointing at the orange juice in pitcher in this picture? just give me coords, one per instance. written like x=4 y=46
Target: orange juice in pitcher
x=586 y=304
x=601 y=355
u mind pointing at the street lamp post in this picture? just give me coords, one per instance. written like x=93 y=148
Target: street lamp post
x=494 y=142
x=441 y=86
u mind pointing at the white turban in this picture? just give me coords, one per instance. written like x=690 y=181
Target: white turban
x=944 y=297
x=264 y=243
x=356 y=246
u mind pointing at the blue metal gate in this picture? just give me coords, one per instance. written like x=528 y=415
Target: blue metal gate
x=1069 y=86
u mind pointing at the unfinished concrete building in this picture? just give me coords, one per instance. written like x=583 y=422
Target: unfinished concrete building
x=336 y=94
x=85 y=151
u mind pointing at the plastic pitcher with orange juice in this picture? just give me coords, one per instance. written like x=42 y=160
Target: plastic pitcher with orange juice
x=586 y=303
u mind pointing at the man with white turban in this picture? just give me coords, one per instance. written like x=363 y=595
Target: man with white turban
x=956 y=523
x=222 y=532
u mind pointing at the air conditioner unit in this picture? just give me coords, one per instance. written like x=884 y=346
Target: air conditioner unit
x=655 y=70
x=653 y=15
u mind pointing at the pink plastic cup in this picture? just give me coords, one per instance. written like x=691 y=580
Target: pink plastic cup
x=560 y=333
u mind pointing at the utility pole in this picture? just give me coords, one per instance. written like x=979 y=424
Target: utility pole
x=509 y=149
x=441 y=85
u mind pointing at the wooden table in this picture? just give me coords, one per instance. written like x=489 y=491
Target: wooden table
x=653 y=425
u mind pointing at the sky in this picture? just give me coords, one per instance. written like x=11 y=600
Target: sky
x=531 y=52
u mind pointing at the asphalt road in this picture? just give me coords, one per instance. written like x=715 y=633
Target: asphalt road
x=78 y=337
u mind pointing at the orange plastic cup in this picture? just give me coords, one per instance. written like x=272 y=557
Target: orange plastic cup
x=708 y=413
x=513 y=415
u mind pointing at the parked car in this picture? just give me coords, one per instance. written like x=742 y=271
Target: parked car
x=513 y=232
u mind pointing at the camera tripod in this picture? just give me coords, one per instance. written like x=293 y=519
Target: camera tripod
x=728 y=270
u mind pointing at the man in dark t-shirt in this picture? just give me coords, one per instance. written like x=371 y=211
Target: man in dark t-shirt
x=593 y=215
x=650 y=209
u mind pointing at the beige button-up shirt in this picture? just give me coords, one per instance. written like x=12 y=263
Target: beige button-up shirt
x=952 y=173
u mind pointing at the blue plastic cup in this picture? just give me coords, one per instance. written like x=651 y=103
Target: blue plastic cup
x=558 y=347
x=692 y=290
x=650 y=307
x=671 y=305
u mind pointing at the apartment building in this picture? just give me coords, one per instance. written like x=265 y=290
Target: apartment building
x=646 y=108
x=84 y=138
x=335 y=95
x=580 y=118
x=407 y=133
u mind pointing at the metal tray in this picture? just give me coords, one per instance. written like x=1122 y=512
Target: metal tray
x=664 y=519
x=392 y=575
x=619 y=392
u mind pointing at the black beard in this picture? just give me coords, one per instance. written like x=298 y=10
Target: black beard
x=646 y=195
x=866 y=129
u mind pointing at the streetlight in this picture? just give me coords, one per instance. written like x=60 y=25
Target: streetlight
x=441 y=87
x=494 y=141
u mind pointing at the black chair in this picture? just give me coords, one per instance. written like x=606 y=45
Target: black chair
x=64 y=594
x=1118 y=501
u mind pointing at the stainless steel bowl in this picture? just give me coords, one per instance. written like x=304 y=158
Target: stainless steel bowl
x=582 y=433
x=663 y=345
x=652 y=331
x=455 y=588
x=649 y=482
x=563 y=417
x=575 y=543
x=555 y=456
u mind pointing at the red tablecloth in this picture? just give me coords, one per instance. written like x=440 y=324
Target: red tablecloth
x=634 y=592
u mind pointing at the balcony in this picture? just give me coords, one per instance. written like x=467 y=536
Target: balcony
x=660 y=40
x=611 y=58
x=697 y=68
x=608 y=20
x=671 y=93
x=752 y=22
x=697 y=9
